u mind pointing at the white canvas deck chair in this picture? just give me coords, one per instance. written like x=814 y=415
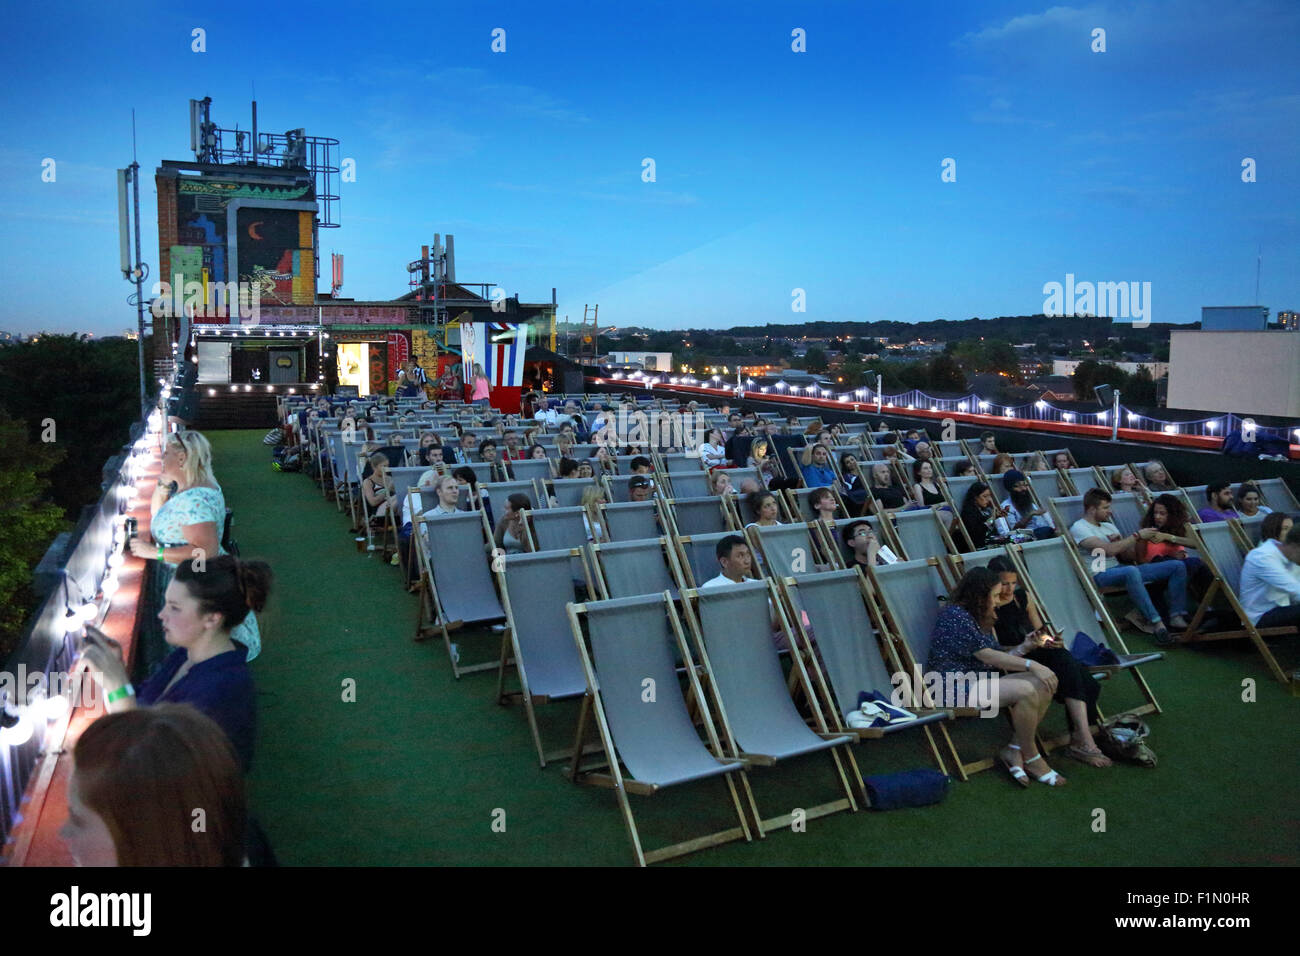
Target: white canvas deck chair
x=1046 y=485
x=911 y=595
x=707 y=515
x=502 y=490
x=647 y=748
x=697 y=558
x=788 y=549
x=679 y=463
x=1049 y=456
x=949 y=449
x=632 y=520
x=631 y=568
x=732 y=632
x=850 y=659
x=1083 y=480
x=535 y=591
x=1054 y=573
x=456 y=580
x=567 y=492
x=530 y=469
x=687 y=484
x=1222 y=553
x=924 y=533
x=1249 y=531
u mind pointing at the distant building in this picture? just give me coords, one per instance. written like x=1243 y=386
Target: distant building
x=1234 y=318
x=650 y=361
x=1290 y=321
x=1158 y=370
x=1250 y=373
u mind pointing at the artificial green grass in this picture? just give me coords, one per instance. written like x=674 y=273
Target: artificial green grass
x=416 y=769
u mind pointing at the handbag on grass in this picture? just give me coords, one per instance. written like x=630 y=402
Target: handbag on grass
x=910 y=788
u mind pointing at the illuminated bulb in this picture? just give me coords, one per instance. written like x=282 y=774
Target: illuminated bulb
x=984 y=404
x=19 y=733
x=1068 y=417
x=1213 y=425
x=1040 y=404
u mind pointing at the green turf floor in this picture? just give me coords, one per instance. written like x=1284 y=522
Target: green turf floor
x=417 y=769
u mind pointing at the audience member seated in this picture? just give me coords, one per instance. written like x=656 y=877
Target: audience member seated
x=720 y=484
x=1097 y=537
x=982 y=517
x=764 y=509
x=640 y=488
x=1157 y=479
x=988 y=444
x=536 y=452
x=207 y=668
x=761 y=457
x=962 y=469
x=1219 y=508
x=862 y=548
x=137 y=778
x=823 y=504
x=1021 y=512
x=1248 y=501
x=815 y=463
x=737 y=564
x=889 y=496
x=1002 y=464
x=1061 y=461
x=853 y=486
x=926 y=491
x=1275 y=526
x=1022 y=633
x=511 y=536
x=1270 y=581
x=568 y=468
x=378 y=488
x=963 y=645
x=713 y=452
x=592 y=499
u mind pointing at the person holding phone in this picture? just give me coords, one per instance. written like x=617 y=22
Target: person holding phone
x=1021 y=632
x=207 y=668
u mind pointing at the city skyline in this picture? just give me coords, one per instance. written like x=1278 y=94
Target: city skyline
x=774 y=170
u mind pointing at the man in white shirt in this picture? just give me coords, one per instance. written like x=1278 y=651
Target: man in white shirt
x=1270 y=582
x=1097 y=537
x=547 y=414
x=737 y=563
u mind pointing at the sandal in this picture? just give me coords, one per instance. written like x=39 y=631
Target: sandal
x=1017 y=773
x=1051 y=778
x=1093 y=757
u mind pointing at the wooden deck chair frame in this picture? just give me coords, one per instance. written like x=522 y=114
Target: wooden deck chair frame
x=1194 y=635
x=948 y=543
x=432 y=619
x=788 y=588
x=1282 y=498
x=1112 y=633
x=724 y=511
x=890 y=627
x=793 y=506
x=593 y=708
x=754 y=538
x=510 y=655
x=954 y=520
x=732 y=749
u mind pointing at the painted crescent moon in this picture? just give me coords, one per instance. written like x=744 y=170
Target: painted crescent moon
x=252 y=229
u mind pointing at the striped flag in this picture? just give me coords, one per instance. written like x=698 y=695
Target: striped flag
x=499 y=348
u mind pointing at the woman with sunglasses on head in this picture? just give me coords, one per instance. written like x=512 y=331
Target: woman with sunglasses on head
x=188 y=516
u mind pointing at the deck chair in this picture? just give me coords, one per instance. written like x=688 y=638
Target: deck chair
x=671 y=464
x=616 y=490
x=738 y=475
x=647 y=749
x=946 y=464
x=911 y=595
x=799 y=505
x=707 y=515
x=530 y=469
x=1222 y=553
x=1029 y=461
x=1084 y=480
x=833 y=536
x=631 y=568
x=1249 y=531
x=732 y=632
x=501 y=490
x=456 y=580
x=950 y=449
x=1278 y=495
x=567 y=492
x=535 y=589
x=632 y=520
x=849 y=659
x=1049 y=455
x=786 y=548
x=923 y=533
x=686 y=484
x=1052 y=570
x=1046 y=485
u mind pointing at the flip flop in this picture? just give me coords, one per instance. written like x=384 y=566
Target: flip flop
x=1051 y=778
x=1088 y=756
x=1017 y=773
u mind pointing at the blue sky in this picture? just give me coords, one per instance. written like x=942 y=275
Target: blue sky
x=775 y=170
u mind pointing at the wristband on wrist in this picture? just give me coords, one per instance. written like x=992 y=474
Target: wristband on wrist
x=160 y=553
x=126 y=690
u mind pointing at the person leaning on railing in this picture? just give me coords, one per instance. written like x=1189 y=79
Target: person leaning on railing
x=189 y=512
x=207 y=668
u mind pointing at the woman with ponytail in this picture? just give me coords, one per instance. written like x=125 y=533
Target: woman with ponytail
x=207 y=668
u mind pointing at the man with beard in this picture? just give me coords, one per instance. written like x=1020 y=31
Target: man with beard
x=1022 y=514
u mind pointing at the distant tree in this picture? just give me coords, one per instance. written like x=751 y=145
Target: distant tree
x=1140 y=389
x=1043 y=345
x=815 y=359
x=1091 y=373
x=946 y=374
x=30 y=523
x=1160 y=351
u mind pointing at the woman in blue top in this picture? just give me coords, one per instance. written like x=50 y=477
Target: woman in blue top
x=207 y=668
x=189 y=512
x=963 y=646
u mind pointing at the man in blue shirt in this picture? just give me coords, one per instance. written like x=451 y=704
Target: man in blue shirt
x=815 y=463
